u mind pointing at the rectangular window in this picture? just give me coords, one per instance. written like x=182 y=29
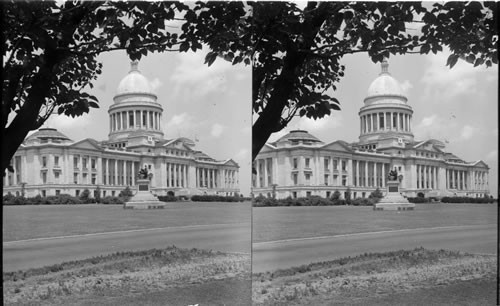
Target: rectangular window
x=94 y=179
x=44 y=177
x=335 y=164
x=295 y=163
x=75 y=178
x=58 y=192
x=344 y=180
x=295 y=179
x=93 y=163
x=381 y=121
x=44 y=193
x=344 y=165
x=77 y=193
x=328 y=194
x=307 y=162
x=327 y=164
x=56 y=161
x=56 y=174
x=84 y=163
x=75 y=161
x=113 y=193
x=130 y=119
x=294 y=194
x=326 y=179
x=144 y=116
x=44 y=161
x=308 y=178
x=308 y=193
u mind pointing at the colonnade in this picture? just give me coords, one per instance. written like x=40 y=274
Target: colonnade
x=177 y=175
x=381 y=121
x=427 y=177
x=135 y=119
x=264 y=168
x=119 y=172
x=369 y=174
x=466 y=180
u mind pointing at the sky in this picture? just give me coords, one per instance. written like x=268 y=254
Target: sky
x=458 y=106
x=211 y=104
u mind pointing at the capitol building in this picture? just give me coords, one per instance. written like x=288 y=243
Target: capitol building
x=299 y=164
x=50 y=163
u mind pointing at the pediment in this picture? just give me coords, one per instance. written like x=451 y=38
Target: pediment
x=176 y=144
x=337 y=146
x=481 y=164
x=86 y=144
x=231 y=162
x=267 y=148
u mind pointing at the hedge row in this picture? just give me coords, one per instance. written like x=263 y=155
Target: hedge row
x=311 y=201
x=59 y=199
x=419 y=200
x=216 y=198
x=466 y=200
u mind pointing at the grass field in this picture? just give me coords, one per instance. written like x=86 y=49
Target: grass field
x=415 y=277
x=170 y=276
x=277 y=223
x=36 y=221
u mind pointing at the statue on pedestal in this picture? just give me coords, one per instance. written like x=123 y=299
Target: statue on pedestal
x=144 y=174
x=393 y=175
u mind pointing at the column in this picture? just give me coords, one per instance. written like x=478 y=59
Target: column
x=264 y=161
x=124 y=174
x=391 y=120
x=357 y=181
x=116 y=172
x=367 y=183
x=375 y=179
x=106 y=175
x=383 y=175
x=426 y=181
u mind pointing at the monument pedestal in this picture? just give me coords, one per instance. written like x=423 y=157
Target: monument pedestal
x=143 y=199
x=393 y=200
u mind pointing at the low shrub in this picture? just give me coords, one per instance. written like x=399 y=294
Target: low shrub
x=215 y=198
x=481 y=200
x=168 y=198
x=419 y=200
x=112 y=200
x=364 y=201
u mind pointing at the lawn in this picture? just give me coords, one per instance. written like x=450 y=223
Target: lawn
x=170 y=276
x=37 y=221
x=278 y=223
x=415 y=277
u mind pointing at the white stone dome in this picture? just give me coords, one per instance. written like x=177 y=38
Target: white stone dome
x=385 y=84
x=134 y=82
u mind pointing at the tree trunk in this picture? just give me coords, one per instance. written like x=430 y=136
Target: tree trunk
x=18 y=129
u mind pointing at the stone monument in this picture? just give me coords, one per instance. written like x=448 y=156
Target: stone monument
x=143 y=198
x=393 y=200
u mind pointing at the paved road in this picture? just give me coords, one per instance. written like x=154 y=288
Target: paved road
x=268 y=256
x=41 y=252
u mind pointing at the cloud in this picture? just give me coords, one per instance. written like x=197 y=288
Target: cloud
x=180 y=124
x=156 y=84
x=217 y=130
x=444 y=84
x=242 y=155
x=406 y=85
x=191 y=73
x=468 y=132
x=493 y=155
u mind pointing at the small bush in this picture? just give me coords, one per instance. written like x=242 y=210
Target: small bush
x=168 y=198
x=112 y=200
x=419 y=200
x=481 y=200
x=364 y=201
x=215 y=198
